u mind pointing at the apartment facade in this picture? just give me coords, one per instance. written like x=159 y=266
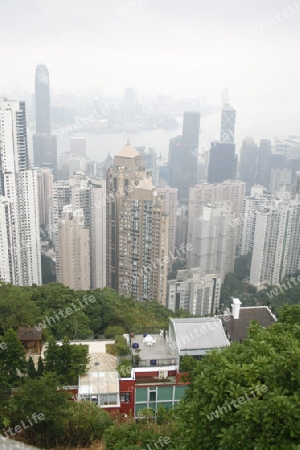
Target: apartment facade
x=19 y=234
x=199 y=294
x=74 y=249
x=137 y=230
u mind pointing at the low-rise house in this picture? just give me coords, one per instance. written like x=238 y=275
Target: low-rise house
x=31 y=338
x=238 y=321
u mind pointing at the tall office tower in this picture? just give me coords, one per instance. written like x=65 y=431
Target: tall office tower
x=137 y=230
x=204 y=193
x=191 y=129
x=264 y=163
x=19 y=233
x=278 y=161
x=213 y=241
x=45 y=151
x=45 y=195
x=181 y=225
x=199 y=294
x=90 y=196
x=183 y=155
x=280 y=178
x=227 y=124
x=276 y=251
x=225 y=96
x=257 y=201
x=74 y=249
x=44 y=143
x=169 y=196
x=221 y=164
x=78 y=146
x=248 y=163
x=42 y=100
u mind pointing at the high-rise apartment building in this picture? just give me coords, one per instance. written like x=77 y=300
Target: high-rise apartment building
x=19 y=233
x=257 y=201
x=90 y=196
x=169 y=197
x=143 y=244
x=202 y=194
x=212 y=238
x=276 y=250
x=74 y=249
x=228 y=124
x=45 y=195
x=137 y=230
x=194 y=292
x=248 y=163
x=222 y=163
x=280 y=178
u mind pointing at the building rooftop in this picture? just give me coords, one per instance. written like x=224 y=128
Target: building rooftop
x=161 y=351
x=98 y=383
x=236 y=329
x=128 y=151
x=29 y=334
x=196 y=335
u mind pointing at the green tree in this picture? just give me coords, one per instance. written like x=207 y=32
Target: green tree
x=31 y=370
x=12 y=358
x=86 y=422
x=16 y=308
x=41 y=397
x=66 y=361
x=246 y=395
x=111 y=332
x=40 y=368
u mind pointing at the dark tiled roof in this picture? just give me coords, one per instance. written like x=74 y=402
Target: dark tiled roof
x=29 y=334
x=236 y=329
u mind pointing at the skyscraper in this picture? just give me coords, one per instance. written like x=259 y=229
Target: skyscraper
x=264 y=163
x=276 y=250
x=19 y=224
x=183 y=155
x=248 y=163
x=137 y=230
x=169 y=196
x=227 y=124
x=213 y=241
x=229 y=191
x=42 y=100
x=45 y=152
x=221 y=164
x=90 y=196
x=74 y=249
x=44 y=144
x=252 y=204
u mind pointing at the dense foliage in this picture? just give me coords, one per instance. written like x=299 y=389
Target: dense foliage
x=246 y=395
x=57 y=310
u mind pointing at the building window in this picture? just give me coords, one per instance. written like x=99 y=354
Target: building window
x=125 y=397
x=152 y=396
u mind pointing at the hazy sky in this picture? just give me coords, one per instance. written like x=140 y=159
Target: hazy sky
x=182 y=48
